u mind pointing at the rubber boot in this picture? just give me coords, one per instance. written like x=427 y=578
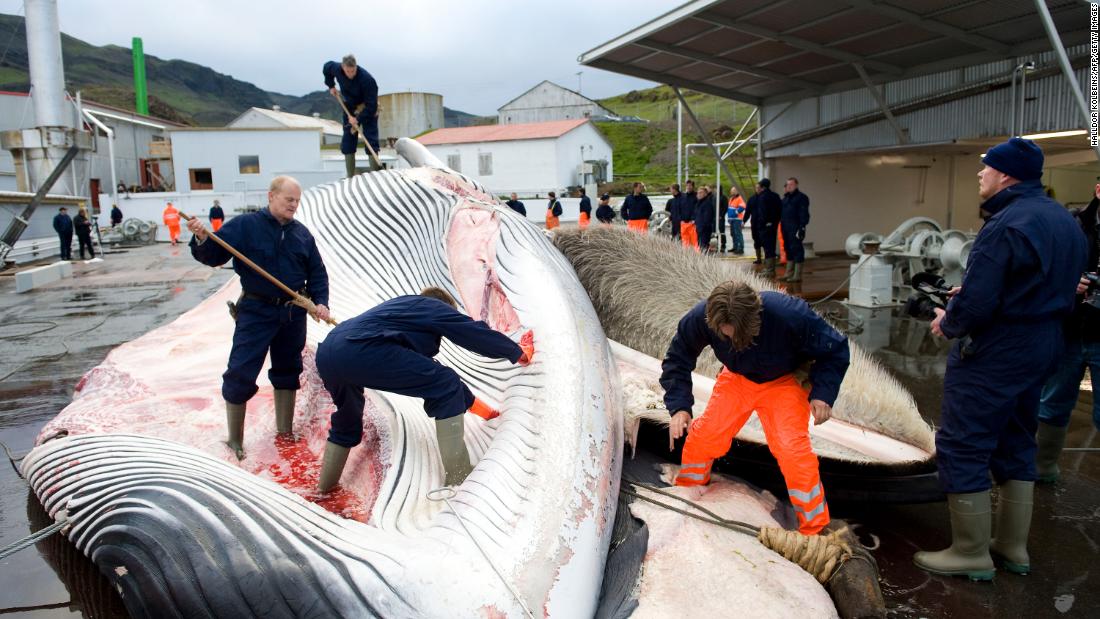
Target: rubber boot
x=1009 y=548
x=795 y=274
x=1051 y=439
x=284 y=410
x=332 y=466
x=759 y=255
x=234 y=416
x=349 y=164
x=968 y=554
x=769 y=268
x=452 y=449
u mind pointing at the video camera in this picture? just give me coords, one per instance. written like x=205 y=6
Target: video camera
x=1092 y=294
x=930 y=293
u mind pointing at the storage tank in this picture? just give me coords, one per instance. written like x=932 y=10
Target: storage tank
x=408 y=114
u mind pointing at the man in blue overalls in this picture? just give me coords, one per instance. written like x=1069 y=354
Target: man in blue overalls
x=266 y=319
x=390 y=348
x=1020 y=283
x=360 y=94
x=794 y=219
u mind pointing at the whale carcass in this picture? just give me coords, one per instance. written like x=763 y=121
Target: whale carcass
x=151 y=495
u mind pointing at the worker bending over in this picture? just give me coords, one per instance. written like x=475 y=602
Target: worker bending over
x=266 y=318
x=760 y=338
x=390 y=348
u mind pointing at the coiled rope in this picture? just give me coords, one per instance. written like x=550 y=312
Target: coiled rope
x=819 y=555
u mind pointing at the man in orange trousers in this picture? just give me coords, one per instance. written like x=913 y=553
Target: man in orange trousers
x=760 y=338
x=172 y=220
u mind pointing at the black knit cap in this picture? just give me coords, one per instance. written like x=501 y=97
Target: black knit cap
x=1019 y=158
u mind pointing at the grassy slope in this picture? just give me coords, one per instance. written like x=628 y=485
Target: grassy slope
x=647 y=151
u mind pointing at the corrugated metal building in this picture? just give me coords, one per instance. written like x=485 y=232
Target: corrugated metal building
x=547 y=102
x=942 y=75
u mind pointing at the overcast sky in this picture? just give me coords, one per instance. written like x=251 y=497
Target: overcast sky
x=478 y=54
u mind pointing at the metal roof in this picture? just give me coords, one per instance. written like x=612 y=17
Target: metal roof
x=760 y=51
x=501 y=133
x=288 y=119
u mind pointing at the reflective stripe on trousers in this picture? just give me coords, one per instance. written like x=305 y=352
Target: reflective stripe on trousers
x=784 y=411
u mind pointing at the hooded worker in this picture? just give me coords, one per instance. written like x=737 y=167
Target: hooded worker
x=359 y=92
x=761 y=339
x=390 y=348
x=1006 y=320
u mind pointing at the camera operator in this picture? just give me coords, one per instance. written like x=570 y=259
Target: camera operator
x=1082 y=340
x=1020 y=281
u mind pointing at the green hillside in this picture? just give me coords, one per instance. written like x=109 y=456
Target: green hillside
x=647 y=151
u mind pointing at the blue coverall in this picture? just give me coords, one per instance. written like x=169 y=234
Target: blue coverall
x=672 y=207
x=265 y=319
x=755 y=219
x=770 y=210
x=63 y=226
x=795 y=217
x=1020 y=283
x=359 y=90
x=636 y=207
x=390 y=348
x=705 y=211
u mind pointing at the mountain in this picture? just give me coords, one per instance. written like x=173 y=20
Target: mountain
x=178 y=90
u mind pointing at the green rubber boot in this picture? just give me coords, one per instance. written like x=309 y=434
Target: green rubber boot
x=332 y=466
x=1051 y=439
x=968 y=554
x=796 y=276
x=234 y=416
x=1009 y=548
x=284 y=410
x=769 y=268
x=349 y=164
x=452 y=449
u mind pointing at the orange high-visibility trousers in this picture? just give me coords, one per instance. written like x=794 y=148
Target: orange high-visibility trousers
x=551 y=220
x=583 y=221
x=216 y=224
x=640 y=226
x=784 y=411
x=689 y=236
x=781 y=251
x=174 y=232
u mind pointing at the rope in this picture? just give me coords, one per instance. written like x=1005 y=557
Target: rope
x=12 y=459
x=841 y=286
x=34 y=538
x=820 y=555
x=445 y=494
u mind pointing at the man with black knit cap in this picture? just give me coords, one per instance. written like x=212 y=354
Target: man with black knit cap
x=770 y=211
x=1020 y=283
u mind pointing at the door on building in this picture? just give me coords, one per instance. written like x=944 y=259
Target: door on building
x=95 y=195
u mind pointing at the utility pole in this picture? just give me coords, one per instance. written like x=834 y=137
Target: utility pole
x=579 y=73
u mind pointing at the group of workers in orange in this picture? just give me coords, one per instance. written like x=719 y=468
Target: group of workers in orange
x=171 y=217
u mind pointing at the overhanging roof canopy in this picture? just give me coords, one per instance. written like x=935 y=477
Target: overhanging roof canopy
x=760 y=51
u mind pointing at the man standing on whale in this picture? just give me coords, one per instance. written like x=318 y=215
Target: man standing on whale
x=390 y=347
x=761 y=338
x=360 y=94
x=266 y=318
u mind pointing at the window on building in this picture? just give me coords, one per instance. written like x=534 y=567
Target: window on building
x=454 y=162
x=201 y=179
x=485 y=164
x=249 y=164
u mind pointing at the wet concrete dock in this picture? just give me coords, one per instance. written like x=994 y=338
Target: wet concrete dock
x=51 y=336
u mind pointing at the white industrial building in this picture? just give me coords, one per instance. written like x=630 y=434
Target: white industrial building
x=407 y=115
x=528 y=159
x=275 y=118
x=546 y=102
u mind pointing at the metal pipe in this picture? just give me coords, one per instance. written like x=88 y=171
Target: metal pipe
x=110 y=151
x=141 y=98
x=47 y=71
x=1012 y=105
x=679 y=144
x=703 y=131
x=1067 y=70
